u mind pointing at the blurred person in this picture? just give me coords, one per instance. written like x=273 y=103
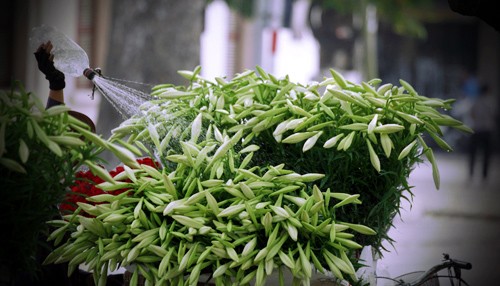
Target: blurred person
x=470 y=85
x=482 y=115
x=469 y=92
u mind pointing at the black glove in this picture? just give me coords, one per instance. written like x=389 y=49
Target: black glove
x=46 y=66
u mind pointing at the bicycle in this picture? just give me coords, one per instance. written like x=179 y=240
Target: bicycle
x=431 y=276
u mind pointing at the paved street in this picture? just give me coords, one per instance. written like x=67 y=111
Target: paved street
x=462 y=219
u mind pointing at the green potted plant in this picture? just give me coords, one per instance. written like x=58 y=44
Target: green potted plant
x=39 y=156
x=256 y=175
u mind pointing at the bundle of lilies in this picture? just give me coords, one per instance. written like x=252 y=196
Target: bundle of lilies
x=256 y=175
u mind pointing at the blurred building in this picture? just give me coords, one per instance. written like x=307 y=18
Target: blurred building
x=285 y=37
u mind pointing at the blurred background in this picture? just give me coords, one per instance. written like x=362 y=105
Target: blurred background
x=423 y=42
x=445 y=49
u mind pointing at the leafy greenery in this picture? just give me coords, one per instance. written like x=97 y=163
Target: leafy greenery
x=36 y=168
x=403 y=16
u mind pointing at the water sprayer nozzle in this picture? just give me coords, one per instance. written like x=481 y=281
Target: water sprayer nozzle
x=89 y=73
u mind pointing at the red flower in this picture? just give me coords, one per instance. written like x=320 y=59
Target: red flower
x=85 y=186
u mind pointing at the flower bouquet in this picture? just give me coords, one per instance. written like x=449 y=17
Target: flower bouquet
x=257 y=175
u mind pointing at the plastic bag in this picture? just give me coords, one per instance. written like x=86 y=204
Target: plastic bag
x=69 y=57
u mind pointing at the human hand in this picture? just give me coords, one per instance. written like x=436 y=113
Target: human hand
x=45 y=62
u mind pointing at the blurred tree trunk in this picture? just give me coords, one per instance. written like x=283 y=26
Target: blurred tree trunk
x=150 y=40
